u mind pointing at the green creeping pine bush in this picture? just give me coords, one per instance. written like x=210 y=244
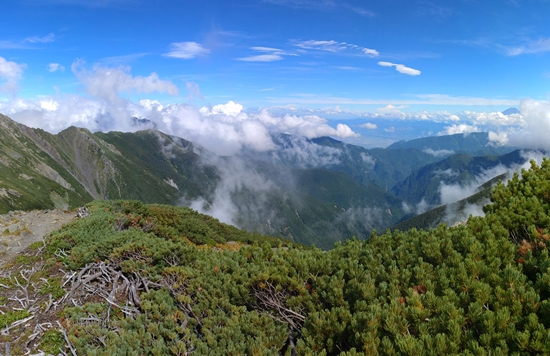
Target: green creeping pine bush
x=12 y=316
x=480 y=289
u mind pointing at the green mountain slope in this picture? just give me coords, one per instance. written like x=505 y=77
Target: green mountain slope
x=382 y=167
x=158 y=280
x=29 y=177
x=475 y=144
x=424 y=183
x=304 y=204
x=452 y=213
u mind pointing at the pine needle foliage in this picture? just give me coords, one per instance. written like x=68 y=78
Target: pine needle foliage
x=479 y=289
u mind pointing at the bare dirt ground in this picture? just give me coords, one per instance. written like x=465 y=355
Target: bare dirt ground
x=30 y=285
x=19 y=229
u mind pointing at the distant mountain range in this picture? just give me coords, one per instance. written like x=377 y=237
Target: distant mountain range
x=315 y=191
x=474 y=144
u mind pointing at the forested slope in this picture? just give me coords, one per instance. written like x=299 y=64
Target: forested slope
x=170 y=281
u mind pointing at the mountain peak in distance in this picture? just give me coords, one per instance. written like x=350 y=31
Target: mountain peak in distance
x=511 y=111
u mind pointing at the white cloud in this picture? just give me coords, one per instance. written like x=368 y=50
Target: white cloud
x=346 y=68
x=401 y=68
x=265 y=49
x=261 y=58
x=186 y=50
x=271 y=55
x=450 y=193
x=55 y=67
x=493 y=118
x=438 y=153
x=498 y=138
x=10 y=74
x=391 y=109
x=422 y=207
x=371 y=52
x=334 y=46
x=532 y=47
x=369 y=126
x=536 y=125
x=230 y=109
x=368 y=159
x=458 y=129
x=50 y=37
x=194 y=91
x=107 y=82
x=331 y=46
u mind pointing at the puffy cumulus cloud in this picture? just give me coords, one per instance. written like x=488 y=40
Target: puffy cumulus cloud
x=494 y=118
x=536 y=126
x=400 y=68
x=459 y=128
x=392 y=112
x=10 y=74
x=224 y=129
x=391 y=109
x=108 y=82
x=186 y=50
x=230 y=109
x=55 y=67
x=54 y=114
x=369 y=125
x=309 y=126
x=498 y=138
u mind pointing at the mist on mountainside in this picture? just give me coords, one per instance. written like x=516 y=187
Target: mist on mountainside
x=291 y=191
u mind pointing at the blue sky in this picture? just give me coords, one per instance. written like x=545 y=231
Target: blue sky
x=387 y=70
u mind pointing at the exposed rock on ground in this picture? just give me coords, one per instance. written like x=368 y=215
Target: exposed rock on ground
x=19 y=229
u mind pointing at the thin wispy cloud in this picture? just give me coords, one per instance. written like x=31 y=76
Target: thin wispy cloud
x=124 y=58
x=434 y=10
x=261 y=58
x=269 y=54
x=12 y=45
x=359 y=10
x=348 y=68
x=50 y=37
x=532 y=47
x=334 y=47
x=400 y=68
x=27 y=43
x=322 y=5
x=55 y=67
x=186 y=50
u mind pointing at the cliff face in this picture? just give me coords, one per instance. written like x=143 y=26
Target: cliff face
x=39 y=170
